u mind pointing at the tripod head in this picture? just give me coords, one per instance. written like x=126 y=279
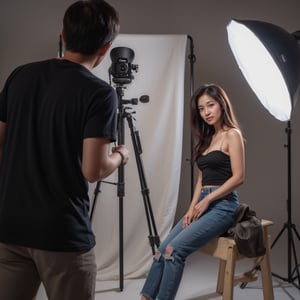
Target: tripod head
x=121 y=68
x=121 y=73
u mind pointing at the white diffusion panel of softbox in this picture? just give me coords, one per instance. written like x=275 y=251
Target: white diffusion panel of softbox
x=161 y=69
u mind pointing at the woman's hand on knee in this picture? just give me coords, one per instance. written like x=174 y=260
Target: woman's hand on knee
x=200 y=208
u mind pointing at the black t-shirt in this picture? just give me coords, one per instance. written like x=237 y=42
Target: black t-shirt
x=49 y=107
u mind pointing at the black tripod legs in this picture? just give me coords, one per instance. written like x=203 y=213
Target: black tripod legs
x=294 y=274
x=96 y=191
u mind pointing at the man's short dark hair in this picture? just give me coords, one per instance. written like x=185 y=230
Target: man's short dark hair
x=88 y=25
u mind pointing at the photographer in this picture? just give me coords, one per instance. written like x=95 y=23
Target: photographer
x=57 y=121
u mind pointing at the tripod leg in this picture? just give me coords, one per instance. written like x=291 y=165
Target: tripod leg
x=297 y=265
x=295 y=231
x=291 y=254
x=154 y=240
x=96 y=191
x=296 y=269
x=278 y=236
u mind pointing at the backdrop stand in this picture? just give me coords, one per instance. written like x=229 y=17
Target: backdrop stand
x=192 y=59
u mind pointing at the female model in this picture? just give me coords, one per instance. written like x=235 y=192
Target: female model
x=219 y=154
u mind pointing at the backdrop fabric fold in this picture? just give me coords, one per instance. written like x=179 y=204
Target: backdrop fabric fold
x=160 y=75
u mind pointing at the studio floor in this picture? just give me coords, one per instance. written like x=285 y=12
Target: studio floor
x=198 y=283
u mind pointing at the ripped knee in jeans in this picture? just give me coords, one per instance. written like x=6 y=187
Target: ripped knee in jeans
x=157 y=255
x=168 y=254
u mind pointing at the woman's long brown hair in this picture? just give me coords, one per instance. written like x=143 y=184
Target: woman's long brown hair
x=203 y=132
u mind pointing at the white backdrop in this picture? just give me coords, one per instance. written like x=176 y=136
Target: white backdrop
x=161 y=61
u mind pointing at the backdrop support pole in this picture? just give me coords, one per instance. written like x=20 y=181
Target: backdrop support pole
x=192 y=59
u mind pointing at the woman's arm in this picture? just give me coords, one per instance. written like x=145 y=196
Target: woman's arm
x=187 y=218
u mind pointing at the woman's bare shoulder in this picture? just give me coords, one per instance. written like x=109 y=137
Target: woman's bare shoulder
x=234 y=133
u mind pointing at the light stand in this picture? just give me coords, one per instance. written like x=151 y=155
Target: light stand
x=269 y=58
x=289 y=226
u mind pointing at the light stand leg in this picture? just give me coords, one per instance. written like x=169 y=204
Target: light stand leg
x=289 y=226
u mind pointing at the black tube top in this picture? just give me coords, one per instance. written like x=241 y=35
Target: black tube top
x=215 y=167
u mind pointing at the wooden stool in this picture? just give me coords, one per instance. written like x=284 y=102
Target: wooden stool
x=226 y=250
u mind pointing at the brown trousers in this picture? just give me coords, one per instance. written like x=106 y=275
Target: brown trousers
x=65 y=275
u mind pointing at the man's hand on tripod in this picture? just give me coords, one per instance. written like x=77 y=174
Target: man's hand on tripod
x=123 y=151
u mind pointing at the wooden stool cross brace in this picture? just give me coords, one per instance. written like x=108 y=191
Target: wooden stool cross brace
x=226 y=250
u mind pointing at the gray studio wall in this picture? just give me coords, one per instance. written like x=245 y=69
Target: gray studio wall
x=29 y=30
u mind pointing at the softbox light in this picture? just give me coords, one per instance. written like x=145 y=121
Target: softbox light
x=269 y=58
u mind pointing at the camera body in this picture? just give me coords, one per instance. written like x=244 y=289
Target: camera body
x=121 y=68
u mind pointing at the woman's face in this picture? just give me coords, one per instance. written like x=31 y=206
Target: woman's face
x=210 y=110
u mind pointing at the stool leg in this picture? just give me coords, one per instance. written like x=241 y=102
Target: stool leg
x=229 y=273
x=266 y=273
x=221 y=277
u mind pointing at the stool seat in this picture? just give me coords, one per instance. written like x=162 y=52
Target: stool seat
x=225 y=249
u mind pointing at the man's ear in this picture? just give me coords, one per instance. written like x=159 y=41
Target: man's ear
x=105 y=48
x=63 y=35
x=101 y=54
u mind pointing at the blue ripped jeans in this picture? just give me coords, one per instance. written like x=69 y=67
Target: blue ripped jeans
x=166 y=271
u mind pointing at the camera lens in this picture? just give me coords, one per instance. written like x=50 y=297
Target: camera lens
x=122 y=68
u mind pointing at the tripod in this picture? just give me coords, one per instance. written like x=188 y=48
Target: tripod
x=293 y=274
x=153 y=236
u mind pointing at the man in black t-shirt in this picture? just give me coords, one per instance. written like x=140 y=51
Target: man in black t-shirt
x=57 y=121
